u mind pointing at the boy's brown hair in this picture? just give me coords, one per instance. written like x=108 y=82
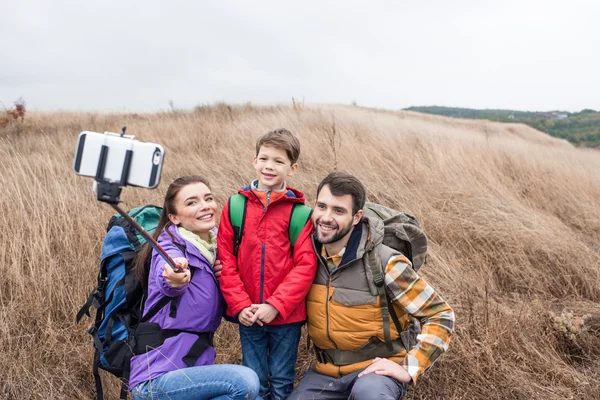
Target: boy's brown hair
x=281 y=139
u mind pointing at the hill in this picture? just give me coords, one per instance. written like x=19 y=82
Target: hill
x=511 y=213
x=580 y=128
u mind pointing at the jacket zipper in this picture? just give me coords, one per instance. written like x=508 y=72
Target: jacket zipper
x=327 y=297
x=268 y=200
x=262 y=272
x=262 y=254
x=327 y=312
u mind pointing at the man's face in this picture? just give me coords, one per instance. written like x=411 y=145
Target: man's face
x=332 y=217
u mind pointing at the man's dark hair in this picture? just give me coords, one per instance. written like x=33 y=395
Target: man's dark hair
x=342 y=183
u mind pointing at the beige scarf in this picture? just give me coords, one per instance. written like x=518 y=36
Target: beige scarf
x=206 y=248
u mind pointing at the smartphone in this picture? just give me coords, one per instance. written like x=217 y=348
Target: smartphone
x=145 y=165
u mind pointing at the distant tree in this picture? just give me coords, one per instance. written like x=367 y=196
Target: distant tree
x=18 y=110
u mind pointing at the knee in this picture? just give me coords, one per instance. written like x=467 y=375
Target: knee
x=377 y=387
x=247 y=382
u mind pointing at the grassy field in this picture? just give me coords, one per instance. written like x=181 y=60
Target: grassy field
x=512 y=215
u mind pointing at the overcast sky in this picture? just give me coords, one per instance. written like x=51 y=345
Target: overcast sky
x=138 y=55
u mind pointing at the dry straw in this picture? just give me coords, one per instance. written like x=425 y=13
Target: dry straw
x=512 y=214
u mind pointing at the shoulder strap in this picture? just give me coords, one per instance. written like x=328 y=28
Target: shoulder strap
x=374 y=263
x=298 y=218
x=157 y=307
x=237 y=216
x=377 y=266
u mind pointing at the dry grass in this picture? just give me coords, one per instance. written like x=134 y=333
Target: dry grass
x=511 y=213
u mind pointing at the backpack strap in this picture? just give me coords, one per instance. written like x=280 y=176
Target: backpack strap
x=386 y=253
x=97 y=379
x=125 y=378
x=204 y=341
x=377 y=268
x=298 y=219
x=373 y=348
x=374 y=263
x=85 y=309
x=237 y=215
x=157 y=307
x=237 y=204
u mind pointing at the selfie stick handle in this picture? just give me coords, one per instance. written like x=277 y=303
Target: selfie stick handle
x=153 y=243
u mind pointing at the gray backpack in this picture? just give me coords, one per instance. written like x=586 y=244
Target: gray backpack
x=402 y=233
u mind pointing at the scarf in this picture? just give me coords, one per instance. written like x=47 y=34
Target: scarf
x=206 y=248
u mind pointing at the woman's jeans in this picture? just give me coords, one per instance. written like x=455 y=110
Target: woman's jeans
x=219 y=381
x=271 y=351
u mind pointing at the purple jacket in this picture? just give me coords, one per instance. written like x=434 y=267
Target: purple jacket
x=199 y=309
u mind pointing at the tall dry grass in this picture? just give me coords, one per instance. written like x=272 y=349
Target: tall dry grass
x=512 y=216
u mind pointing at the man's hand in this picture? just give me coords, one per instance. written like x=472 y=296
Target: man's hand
x=247 y=316
x=217 y=268
x=383 y=366
x=265 y=313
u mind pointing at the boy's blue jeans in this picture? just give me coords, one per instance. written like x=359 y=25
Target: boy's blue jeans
x=271 y=351
x=221 y=381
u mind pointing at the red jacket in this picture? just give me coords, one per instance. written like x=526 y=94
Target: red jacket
x=265 y=270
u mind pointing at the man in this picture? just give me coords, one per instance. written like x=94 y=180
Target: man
x=345 y=320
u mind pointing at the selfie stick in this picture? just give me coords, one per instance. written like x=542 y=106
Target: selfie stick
x=108 y=192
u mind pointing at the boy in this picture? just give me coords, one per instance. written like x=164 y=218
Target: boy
x=266 y=282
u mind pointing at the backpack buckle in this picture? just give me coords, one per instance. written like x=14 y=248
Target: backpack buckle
x=378 y=279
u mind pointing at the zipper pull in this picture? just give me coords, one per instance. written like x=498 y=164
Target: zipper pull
x=268 y=200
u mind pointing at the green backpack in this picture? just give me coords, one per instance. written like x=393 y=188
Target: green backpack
x=237 y=215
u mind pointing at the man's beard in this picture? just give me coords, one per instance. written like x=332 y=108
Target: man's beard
x=338 y=234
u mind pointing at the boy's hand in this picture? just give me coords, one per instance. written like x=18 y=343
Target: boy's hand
x=265 y=313
x=247 y=316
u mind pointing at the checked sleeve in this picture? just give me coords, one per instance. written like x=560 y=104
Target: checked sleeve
x=417 y=298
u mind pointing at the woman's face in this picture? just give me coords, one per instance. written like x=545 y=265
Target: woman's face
x=196 y=209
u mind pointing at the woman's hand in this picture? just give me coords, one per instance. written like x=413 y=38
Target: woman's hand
x=177 y=279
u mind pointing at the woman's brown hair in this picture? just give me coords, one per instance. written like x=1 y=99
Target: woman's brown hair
x=142 y=260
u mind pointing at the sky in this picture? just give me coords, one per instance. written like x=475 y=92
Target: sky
x=142 y=55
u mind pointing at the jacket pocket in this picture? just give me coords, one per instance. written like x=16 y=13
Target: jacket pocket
x=352 y=297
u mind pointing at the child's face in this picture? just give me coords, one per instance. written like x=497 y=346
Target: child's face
x=196 y=209
x=272 y=165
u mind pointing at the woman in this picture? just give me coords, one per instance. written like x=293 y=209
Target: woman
x=182 y=367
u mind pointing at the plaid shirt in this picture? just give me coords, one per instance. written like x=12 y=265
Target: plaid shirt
x=332 y=261
x=406 y=288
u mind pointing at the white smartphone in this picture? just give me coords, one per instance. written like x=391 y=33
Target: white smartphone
x=145 y=164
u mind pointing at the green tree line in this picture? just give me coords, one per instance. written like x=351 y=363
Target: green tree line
x=580 y=128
